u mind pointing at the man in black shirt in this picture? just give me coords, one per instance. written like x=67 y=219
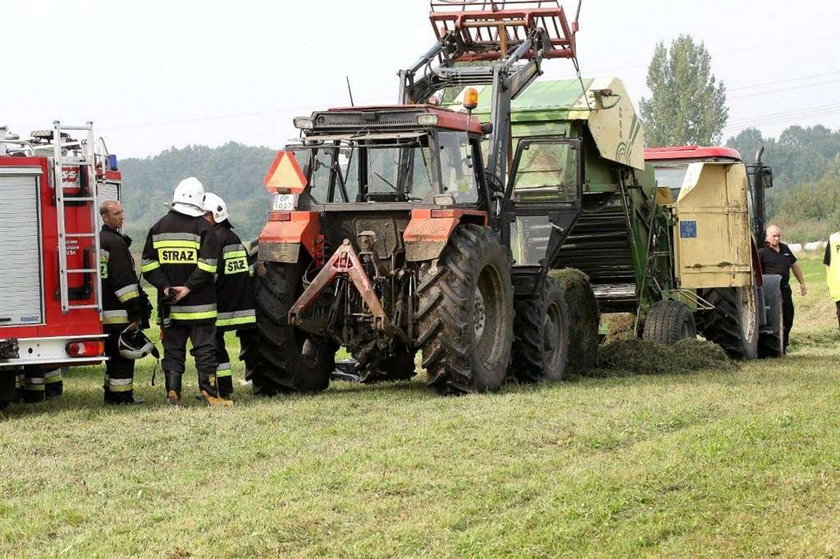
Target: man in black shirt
x=777 y=258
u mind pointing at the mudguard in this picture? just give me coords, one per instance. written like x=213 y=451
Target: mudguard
x=285 y=233
x=429 y=230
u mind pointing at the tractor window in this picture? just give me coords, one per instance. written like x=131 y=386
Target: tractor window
x=546 y=172
x=322 y=162
x=457 y=166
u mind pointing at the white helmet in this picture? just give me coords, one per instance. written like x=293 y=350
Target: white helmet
x=214 y=204
x=189 y=197
x=134 y=344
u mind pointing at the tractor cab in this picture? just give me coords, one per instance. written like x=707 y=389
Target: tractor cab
x=411 y=155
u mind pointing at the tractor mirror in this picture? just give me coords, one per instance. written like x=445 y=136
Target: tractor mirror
x=766 y=177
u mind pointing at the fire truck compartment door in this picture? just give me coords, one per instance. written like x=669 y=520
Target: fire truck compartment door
x=20 y=248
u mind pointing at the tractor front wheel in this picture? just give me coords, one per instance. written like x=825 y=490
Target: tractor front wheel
x=541 y=348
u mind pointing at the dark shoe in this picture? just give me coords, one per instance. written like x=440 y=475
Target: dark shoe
x=127 y=402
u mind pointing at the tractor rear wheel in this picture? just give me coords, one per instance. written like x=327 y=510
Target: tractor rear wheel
x=281 y=358
x=733 y=324
x=465 y=313
x=541 y=346
x=668 y=322
x=771 y=342
x=584 y=315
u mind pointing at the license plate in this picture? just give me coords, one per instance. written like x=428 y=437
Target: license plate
x=284 y=202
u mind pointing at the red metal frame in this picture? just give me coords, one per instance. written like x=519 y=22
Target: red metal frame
x=689 y=152
x=295 y=227
x=488 y=33
x=436 y=225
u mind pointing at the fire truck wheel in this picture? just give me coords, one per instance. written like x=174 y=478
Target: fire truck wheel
x=668 y=322
x=279 y=357
x=733 y=324
x=541 y=345
x=465 y=313
x=398 y=366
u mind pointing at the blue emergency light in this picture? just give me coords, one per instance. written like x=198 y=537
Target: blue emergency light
x=112 y=163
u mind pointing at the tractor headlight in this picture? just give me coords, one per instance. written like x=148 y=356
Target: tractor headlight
x=427 y=119
x=303 y=123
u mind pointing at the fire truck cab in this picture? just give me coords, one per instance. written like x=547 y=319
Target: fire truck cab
x=50 y=301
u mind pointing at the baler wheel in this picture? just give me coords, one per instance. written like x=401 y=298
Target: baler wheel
x=668 y=322
x=281 y=358
x=733 y=324
x=465 y=313
x=541 y=345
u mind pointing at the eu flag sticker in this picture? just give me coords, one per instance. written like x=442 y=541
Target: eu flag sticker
x=688 y=229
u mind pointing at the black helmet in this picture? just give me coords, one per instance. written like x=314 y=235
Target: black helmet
x=134 y=344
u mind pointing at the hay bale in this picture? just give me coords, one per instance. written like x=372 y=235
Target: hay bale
x=644 y=357
x=620 y=326
x=584 y=319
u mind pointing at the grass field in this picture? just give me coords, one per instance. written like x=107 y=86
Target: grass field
x=743 y=462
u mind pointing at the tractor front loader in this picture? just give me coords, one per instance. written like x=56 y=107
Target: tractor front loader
x=399 y=240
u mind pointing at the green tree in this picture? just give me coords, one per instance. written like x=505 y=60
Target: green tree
x=687 y=105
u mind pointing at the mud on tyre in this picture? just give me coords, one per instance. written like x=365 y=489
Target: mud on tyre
x=465 y=313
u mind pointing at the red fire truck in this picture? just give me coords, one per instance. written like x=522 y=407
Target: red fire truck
x=50 y=300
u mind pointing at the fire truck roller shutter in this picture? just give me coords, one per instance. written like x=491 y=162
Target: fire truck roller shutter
x=106 y=191
x=20 y=247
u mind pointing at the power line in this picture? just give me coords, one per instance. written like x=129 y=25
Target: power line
x=805 y=86
x=783 y=81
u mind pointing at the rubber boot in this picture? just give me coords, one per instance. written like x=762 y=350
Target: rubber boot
x=208 y=383
x=173 y=388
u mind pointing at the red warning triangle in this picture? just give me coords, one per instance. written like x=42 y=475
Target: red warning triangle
x=285 y=174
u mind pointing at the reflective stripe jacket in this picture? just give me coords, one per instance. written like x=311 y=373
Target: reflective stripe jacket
x=234 y=291
x=121 y=303
x=833 y=275
x=183 y=250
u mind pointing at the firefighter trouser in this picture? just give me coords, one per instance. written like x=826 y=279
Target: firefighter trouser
x=224 y=374
x=203 y=351
x=8 y=386
x=39 y=384
x=119 y=373
x=787 y=312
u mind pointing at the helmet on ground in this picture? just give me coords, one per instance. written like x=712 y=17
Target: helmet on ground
x=188 y=198
x=134 y=344
x=214 y=204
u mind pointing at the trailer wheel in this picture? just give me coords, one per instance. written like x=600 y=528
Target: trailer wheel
x=281 y=358
x=733 y=324
x=395 y=367
x=771 y=339
x=465 y=313
x=541 y=343
x=584 y=315
x=668 y=322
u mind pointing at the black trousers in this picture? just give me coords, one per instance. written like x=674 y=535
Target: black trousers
x=119 y=372
x=838 y=312
x=224 y=374
x=787 y=312
x=203 y=349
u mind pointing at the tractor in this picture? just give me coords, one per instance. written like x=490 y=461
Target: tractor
x=405 y=233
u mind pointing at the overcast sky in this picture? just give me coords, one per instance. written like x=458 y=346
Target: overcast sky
x=153 y=74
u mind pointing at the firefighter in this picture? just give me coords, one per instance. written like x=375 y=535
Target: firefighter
x=179 y=259
x=123 y=304
x=233 y=288
x=832 y=271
